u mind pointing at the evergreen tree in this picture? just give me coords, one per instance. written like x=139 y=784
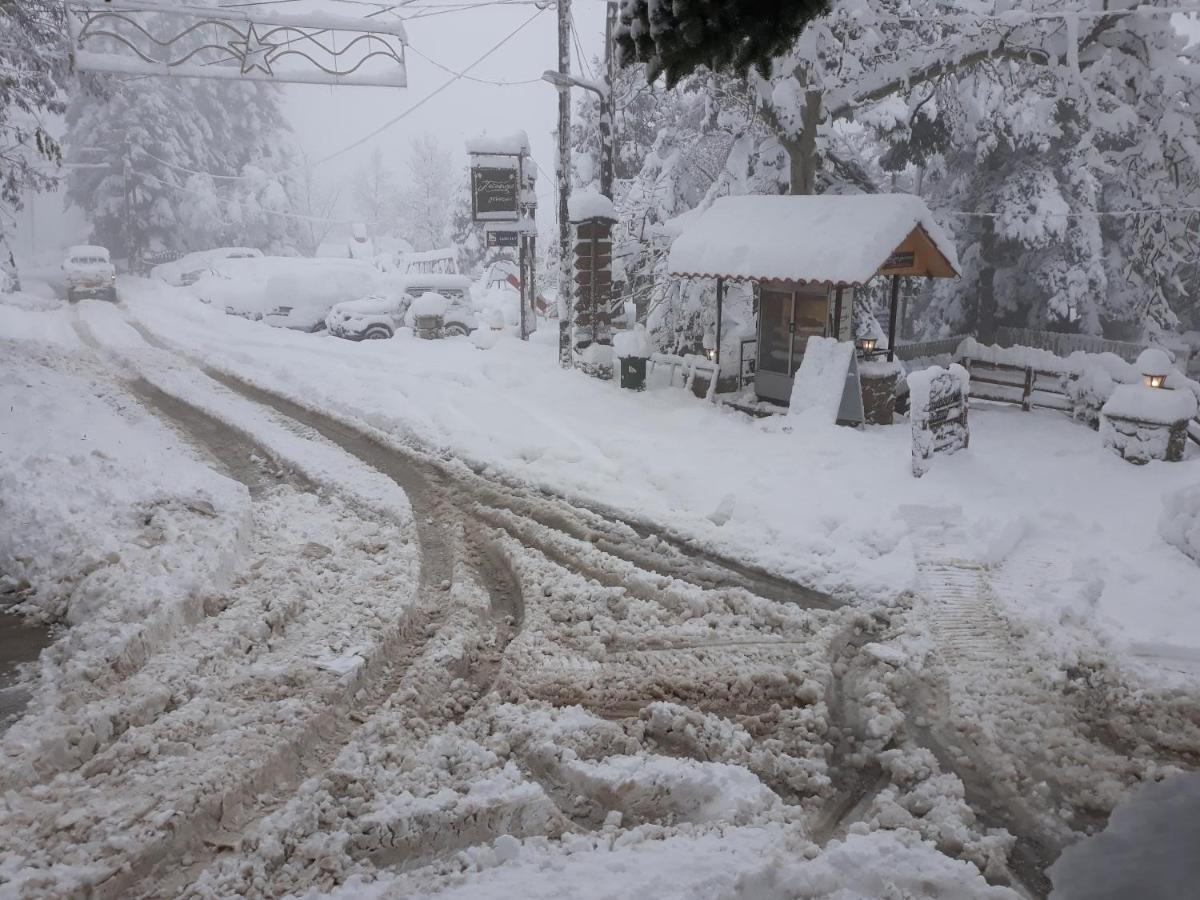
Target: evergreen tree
x=33 y=70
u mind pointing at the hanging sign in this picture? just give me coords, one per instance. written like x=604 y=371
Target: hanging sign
x=235 y=42
x=494 y=193
x=496 y=239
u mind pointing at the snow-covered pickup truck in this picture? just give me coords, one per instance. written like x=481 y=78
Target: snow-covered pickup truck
x=377 y=317
x=88 y=272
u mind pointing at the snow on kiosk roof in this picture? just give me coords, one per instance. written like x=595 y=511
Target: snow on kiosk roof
x=836 y=239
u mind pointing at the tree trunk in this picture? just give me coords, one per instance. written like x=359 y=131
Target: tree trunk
x=802 y=149
x=985 y=313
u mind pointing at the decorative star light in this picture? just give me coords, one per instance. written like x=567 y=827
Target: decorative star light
x=253 y=52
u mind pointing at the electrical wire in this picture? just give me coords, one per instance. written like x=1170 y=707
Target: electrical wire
x=579 y=55
x=465 y=77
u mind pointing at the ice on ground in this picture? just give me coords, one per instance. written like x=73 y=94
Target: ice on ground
x=1148 y=850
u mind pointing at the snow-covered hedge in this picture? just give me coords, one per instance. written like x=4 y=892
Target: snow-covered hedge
x=1180 y=522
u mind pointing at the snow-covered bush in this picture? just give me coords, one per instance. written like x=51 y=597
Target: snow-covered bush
x=1180 y=522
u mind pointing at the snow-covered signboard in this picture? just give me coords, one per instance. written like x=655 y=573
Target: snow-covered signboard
x=938 y=407
x=254 y=42
x=827 y=387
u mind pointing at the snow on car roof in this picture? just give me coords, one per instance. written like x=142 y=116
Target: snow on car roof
x=88 y=250
x=835 y=239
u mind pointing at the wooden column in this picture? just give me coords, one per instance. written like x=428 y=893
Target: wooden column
x=837 y=314
x=892 y=317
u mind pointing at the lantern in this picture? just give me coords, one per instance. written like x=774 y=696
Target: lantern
x=866 y=345
x=1154 y=365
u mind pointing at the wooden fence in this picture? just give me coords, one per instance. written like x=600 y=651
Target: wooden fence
x=1065 y=344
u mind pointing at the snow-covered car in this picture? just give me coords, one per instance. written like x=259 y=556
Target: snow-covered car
x=377 y=317
x=188 y=269
x=285 y=291
x=88 y=272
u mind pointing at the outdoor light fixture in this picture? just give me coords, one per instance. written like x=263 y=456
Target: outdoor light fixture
x=711 y=353
x=1155 y=365
x=866 y=345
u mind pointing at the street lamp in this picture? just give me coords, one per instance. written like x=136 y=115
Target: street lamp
x=563 y=82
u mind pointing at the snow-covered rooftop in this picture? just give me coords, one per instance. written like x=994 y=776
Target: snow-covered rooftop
x=830 y=238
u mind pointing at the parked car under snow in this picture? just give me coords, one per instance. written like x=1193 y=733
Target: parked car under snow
x=285 y=291
x=189 y=268
x=377 y=317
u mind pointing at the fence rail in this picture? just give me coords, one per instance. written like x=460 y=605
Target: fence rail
x=1065 y=344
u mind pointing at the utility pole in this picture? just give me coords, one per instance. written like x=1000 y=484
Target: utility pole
x=566 y=300
x=608 y=103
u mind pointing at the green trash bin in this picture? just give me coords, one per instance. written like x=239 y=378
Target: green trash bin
x=633 y=373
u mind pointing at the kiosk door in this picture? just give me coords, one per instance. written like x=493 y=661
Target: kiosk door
x=786 y=320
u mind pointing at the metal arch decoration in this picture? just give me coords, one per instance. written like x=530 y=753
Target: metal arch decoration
x=141 y=37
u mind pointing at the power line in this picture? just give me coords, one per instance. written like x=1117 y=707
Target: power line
x=434 y=62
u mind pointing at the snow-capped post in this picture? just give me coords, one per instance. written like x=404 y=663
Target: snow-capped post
x=1141 y=422
x=562 y=172
x=504 y=201
x=592 y=218
x=938 y=407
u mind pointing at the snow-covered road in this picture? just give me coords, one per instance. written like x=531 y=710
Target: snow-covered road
x=312 y=652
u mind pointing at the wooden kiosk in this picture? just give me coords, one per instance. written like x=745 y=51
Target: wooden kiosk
x=806 y=255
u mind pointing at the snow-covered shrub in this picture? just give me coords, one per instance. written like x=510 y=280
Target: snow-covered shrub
x=1180 y=521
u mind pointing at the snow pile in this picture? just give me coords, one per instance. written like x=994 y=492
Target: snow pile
x=590 y=204
x=1021 y=357
x=1146 y=404
x=513 y=144
x=632 y=343
x=661 y=788
x=836 y=239
x=1180 y=522
x=1148 y=849
x=821 y=381
x=428 y=304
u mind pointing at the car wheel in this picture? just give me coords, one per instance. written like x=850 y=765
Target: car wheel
x=71 y=298
x=456 y=329
x=377 y=333
x=112 y=295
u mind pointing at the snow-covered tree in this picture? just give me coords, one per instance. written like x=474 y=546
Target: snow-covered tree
x=179 y=150
x=33 y=69
x=376 y=194
x=463 y=233
x=677 y=37
x=427 y=193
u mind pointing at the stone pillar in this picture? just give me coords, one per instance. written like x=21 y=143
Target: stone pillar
x=591 y=335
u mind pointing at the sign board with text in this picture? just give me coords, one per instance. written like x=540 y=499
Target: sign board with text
x=494 y=192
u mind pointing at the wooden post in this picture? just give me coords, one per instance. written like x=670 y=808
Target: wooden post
x=837 y=313
x=720 y=305
x=892 y=318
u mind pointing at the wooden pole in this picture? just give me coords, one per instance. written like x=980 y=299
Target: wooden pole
x=720 y=306
x=566 y=292
x=521 y=241
x=892 y=318
x=837 y=313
